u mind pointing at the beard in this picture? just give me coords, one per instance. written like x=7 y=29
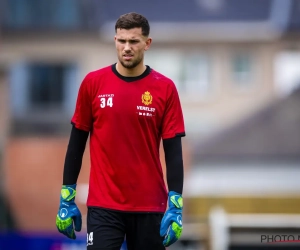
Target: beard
x=130 y=64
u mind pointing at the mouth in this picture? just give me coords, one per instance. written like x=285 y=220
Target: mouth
x=127 y=57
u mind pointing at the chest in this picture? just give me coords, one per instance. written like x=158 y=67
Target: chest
x=134 y=100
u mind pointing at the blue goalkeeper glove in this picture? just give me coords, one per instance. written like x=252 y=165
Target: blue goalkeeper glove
x=171 y=224
x=68 y=212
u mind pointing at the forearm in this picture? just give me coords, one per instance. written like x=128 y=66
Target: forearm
x=74 y=155
x=174 y=164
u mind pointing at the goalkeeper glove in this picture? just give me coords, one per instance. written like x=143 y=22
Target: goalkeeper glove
x=68 y=212
x=171 y=224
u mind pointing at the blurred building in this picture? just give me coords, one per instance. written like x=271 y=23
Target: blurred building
x=251 y=168
x=230 y=60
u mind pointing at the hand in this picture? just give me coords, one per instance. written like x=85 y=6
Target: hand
x=68 y=212
x=171 y=224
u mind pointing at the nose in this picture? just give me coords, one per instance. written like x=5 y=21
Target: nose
x=127 y=47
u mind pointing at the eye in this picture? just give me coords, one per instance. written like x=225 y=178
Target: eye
x=121 y=41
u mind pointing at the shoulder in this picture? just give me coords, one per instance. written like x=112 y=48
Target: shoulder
x=97 y=74
x=160 y=77
x=163 y=81
x=94 y=79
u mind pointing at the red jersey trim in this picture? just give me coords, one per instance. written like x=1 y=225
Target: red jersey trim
x=171 y=135
x=80 y=126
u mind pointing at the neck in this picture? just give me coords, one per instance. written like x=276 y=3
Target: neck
x=136 y=71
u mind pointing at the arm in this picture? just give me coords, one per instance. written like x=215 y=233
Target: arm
x=73 y=160
x=172 y=131
x=174 y=164
x=68 y=213
x=171 y=225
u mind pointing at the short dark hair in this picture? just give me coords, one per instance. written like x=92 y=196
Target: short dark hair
x=133 y=20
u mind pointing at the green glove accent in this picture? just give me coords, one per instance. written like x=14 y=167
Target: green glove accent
x=171 y=224
x=68 y=213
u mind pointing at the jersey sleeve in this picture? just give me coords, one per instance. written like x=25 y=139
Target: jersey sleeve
x=173 y=122
x=82 y=118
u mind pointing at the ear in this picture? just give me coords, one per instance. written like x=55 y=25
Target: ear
x=148 y=43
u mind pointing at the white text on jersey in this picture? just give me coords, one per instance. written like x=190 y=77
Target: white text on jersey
x=146 y=108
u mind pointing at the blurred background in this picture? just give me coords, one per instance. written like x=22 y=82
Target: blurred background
x=236 y=64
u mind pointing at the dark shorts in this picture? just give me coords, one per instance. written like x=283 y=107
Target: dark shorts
x=107 y=230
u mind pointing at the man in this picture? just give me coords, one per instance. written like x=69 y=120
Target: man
x=127 y=108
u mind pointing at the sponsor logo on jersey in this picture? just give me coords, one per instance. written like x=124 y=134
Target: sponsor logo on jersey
x=106 y=95
x=147 y=98
x=145 y=111
x=143 y=108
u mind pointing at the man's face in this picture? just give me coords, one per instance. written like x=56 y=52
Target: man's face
x=130 y=45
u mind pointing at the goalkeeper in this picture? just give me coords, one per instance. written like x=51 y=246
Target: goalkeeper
x=127 y=109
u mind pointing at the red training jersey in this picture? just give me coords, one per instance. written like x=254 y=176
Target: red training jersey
x=127 y=117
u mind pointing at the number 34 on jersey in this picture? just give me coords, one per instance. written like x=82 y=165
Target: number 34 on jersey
x=106 y=100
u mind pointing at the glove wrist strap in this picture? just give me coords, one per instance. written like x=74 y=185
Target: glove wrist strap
x=68 y=192
x=175 y=200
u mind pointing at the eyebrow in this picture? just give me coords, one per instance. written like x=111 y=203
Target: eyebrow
x=130 y=40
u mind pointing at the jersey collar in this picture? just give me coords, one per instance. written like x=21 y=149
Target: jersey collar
x=131 y=79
